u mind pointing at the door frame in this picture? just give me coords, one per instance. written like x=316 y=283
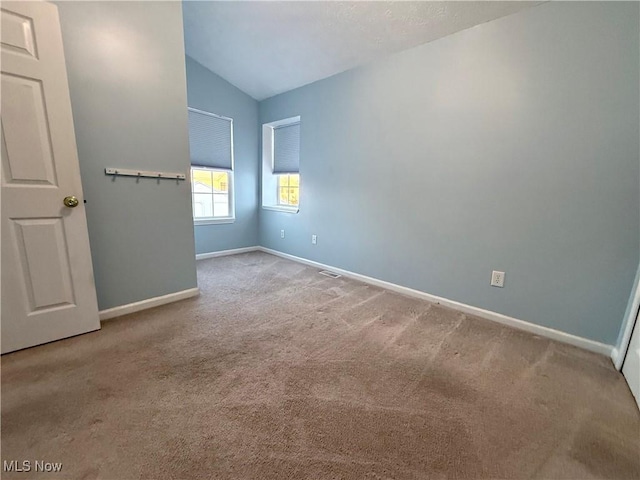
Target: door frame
x=620 y=352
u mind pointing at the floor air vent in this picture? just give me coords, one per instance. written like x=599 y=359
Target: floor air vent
x=330 y=274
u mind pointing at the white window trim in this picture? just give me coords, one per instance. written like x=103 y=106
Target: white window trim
x=232 y=204
x=214 y=221
x=281 y=208
x=268 y=177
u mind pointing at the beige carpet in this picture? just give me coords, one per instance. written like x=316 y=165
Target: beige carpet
x=276 y=371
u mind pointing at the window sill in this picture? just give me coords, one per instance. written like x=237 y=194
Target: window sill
x=214 y=221
x=281 y=208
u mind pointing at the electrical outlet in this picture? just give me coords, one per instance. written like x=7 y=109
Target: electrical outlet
x=497 y=279
x=281 y=233
x=314 y=239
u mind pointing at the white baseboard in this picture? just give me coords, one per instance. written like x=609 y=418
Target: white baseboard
x=615 y=355
x=222 y=253
x=627 y=324
x=574 y=340
x=148 y=303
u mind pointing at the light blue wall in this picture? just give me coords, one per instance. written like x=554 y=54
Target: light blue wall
x=207 y=91
x=125 y=63
x=510 y=146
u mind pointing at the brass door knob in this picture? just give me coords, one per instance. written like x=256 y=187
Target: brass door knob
x=70 y=201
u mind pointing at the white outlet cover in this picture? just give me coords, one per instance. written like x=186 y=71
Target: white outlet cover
x=497 y=279
x=314 y=239
x=281 y=233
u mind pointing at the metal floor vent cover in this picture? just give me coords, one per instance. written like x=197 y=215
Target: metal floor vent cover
x=330 y=274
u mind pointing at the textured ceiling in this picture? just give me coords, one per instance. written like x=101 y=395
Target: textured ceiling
x=266 y=48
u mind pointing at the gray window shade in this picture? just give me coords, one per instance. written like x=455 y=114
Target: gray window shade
x=210 y=140
x=286 y=149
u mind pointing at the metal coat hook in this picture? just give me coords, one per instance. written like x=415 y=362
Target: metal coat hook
x=144 y=173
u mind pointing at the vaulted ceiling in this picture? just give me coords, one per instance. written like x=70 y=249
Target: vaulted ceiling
x=268 y=47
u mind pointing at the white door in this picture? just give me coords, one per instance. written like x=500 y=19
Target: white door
x=631 y=366
x=48 y=290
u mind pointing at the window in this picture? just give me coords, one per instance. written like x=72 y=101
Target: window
x=211 y=193
x=281 y=165
x=288 y=189
x=211 y=150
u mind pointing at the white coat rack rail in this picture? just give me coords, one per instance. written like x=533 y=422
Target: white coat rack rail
x=127 y=172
